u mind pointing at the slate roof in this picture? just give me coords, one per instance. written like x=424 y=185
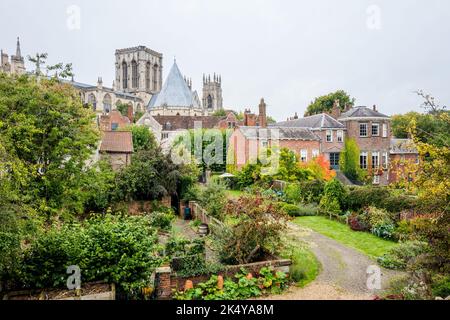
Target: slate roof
x=318 y=121
x=173 y=123
x=362 y=112
x=282 y=133
x=175 y=92
x=403 y=146
x=117 y=142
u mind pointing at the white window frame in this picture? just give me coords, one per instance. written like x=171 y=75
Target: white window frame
x=264 y=143
x=363 y=154
x=340 y=136
x=377 y=164
x=329 y=135
x=376 y=179
x=304 y=155
x=315 y=153
x=367 y=130
x=376 y=125
x=385 y=160
x=385 y=130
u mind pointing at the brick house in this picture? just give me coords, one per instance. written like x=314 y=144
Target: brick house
x=325 y=134
x=402 y=153
x=114 y=120
x=117 y=147
x=248 y=140
x=372 y=132
x=330 y=132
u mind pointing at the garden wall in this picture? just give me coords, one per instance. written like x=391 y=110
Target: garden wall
x=167 y=281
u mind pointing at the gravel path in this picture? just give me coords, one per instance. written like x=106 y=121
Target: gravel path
x=344 y=271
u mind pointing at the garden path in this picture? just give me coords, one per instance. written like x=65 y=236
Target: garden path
x=343 y=274
x=182 y=227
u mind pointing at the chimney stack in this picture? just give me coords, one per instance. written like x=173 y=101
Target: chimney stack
x=336 y=111
x=130 y=113
x=262 y=114
x=374 y=107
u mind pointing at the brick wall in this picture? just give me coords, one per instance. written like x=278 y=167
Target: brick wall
x=371 y=143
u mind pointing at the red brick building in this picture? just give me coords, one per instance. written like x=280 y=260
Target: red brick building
x=403 y=155
x=117 y=147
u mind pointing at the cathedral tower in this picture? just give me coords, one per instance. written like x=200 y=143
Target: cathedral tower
x=139 y=71
x=212 y=93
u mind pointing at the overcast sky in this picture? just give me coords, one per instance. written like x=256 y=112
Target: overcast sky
x=288 y=52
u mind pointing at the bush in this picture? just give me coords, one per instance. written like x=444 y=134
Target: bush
x=357 y=223
x=162 y=220
x=385 y=230
x=399 y=256
x=214 y=198
x=116 y=249
x=290 y=209
x=329 y=206
x=441 y=286
x=334 y=189
x=293 y=193
x=312 y=190
x=380 y=197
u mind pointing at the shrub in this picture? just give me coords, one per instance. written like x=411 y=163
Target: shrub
x=162 y=220
x=293 y=193
x=441 y=286
x=258 y=232
x=357 y=223
x=334 y=189
x=116 y=249
x=384 y=230
x=312 y=190
x=360 y=197
x=214 y=198
x=291 y=209
x=329 y=206
x=399 y=256
x=308 y=210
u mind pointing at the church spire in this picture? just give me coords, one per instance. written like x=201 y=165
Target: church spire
x=18 y=53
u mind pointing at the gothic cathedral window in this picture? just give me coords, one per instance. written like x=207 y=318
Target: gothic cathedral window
x=155 y=77
x=210 y=102
x=134 y=74
x=147 y=75
x=125 y=75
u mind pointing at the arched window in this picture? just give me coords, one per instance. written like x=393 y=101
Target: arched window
x=155 y=77
x=134 y=74
x=148 y=70
x=92 y=101
x=210 y=102
x=107 y=103
x=138 y=107
x=125 y=75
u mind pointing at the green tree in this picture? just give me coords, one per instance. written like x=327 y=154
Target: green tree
x=49 y=133
x=122 y=108
x=349 y=160
x=325 y=103
x=143 y=138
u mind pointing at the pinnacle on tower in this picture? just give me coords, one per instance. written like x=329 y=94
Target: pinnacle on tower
x=18 y=53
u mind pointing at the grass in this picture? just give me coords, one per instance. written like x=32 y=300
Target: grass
x=234 y=194
x=364 y=242
x=305 y=266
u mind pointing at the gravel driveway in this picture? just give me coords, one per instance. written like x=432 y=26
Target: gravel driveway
x=344 y=271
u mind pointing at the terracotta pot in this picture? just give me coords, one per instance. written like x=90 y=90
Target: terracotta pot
x=188 y=285
x=220 y=282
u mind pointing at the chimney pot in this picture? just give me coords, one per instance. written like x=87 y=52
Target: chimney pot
x=374 y=107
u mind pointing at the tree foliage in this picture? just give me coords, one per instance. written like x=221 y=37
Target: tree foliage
x=50 y=136
x=325 y=103
x=349 y=160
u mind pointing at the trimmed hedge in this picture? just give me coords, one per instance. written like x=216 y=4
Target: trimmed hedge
x=380 y=197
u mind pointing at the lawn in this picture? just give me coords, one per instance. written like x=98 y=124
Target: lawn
x=234 y=194
x=364 y=242
x=305 y=266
